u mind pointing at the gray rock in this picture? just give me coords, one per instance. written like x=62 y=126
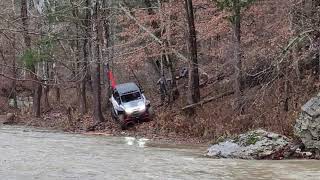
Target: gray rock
x=224 y=149
x=22 y=102
x=9 y=118
x=256 y=144
x=307 y=126
x=312 y=107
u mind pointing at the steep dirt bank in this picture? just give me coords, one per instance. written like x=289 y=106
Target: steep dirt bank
x=58 y=120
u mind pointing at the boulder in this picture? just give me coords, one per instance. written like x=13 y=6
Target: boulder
x=9 y=118
x=225 y=149
x=257 y=144
x=307 y=126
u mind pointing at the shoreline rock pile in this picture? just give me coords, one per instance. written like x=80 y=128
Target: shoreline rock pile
x=7 y=119
x=257 y=144
x=260 y=144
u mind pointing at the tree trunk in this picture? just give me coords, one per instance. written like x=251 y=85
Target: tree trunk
x=46 y=88
x=95 y=74
x=96 y=61
x=155 y=26
x=58 y=95
x=25 y=23
x=171 y=67
x=174 y=92
x=37 y=92
x=14 y=71
x=193 y=84
x=238 y=89
x=319 y=60
x=83 y=94
x=107 y=44
x=84 y=64
x=79 y=66
x=57 y=89
x=163 y=80
x=37 y=100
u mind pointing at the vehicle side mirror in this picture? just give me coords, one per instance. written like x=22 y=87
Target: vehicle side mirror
x=141 y=90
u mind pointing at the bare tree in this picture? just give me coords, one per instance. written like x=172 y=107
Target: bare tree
x=14 y=71
x=107 y=58
x=96 y=56
x=237 y=63
x=193 y=85
x=37 y=92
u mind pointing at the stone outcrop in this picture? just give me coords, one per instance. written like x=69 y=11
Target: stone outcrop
x=258 y=144
x=7 y=119
x=307 y=126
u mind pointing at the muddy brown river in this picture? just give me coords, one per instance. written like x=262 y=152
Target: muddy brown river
x=37 y=154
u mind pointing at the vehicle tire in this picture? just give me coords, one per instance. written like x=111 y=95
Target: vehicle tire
x=150 y=113
x=122 y=122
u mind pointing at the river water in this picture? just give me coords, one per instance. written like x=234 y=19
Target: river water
x=36 y=154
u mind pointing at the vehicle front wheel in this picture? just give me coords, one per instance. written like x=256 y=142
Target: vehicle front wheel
x=150 y=113
x=122 y=122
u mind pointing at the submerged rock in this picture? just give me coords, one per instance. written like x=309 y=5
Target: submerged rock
x=307 y=126
x=257 y=144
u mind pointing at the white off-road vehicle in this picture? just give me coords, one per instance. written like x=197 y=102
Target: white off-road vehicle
x=129 y=105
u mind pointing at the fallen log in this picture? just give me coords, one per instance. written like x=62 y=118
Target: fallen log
x=207 y=100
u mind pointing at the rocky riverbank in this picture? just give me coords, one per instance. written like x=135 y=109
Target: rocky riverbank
x=259 y=144
x=256 y=144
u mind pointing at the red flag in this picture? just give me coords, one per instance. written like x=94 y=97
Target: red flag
x=112 y=81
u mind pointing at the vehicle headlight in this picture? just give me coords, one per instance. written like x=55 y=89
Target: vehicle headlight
x=142 y=108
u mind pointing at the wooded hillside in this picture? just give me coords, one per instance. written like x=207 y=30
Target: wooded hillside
x=228 y=65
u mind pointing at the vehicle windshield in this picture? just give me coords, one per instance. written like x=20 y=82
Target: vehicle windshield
x=130 y=97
